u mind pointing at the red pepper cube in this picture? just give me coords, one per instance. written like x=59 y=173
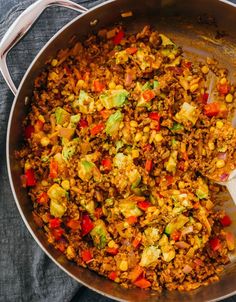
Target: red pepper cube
x=54 y=223
x=29 y=130
x=215 y=244
x=226 y=221
x=86 y=255
x=118 y=37
x=144 y=205
x=112 y=275
x=86 y=225
x=30 y=178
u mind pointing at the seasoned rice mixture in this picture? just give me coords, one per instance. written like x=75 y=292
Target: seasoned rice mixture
x=123 y=142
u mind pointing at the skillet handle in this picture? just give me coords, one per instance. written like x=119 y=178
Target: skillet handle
x=21 y=26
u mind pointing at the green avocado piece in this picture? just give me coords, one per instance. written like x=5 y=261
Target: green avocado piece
x=99 y=234
x=176 y=224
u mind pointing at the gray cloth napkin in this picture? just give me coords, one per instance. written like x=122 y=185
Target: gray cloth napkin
x=26 y=273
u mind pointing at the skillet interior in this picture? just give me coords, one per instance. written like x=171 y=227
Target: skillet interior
x=180 y=20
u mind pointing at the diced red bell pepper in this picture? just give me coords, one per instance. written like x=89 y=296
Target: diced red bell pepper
x=215 y=244
x=225 y=221
x=42 y=198
x=142 y=283
x=86 y=255
x=29 y=130
x=205 y=97
x=98 y=86
x=212 y=109
x=144 y=205
x=118 y=37
x=82 y=124
x=30 y=178
x=136 y=273
x=112 y=275
x=38 y=126
x=98 y=212
x=86 y=225
x=73 y=224
x=54 y=223
x=112 y=251
x=223 y=88
x=170 y=179
x=97 y=129
x=136 y=242
x=154 y=116
x=57 y=233
x=148 y=165
x=131 y=219
x=107 y=164
x=53 y=168
x=148 y=95
x=105 y=113
x=131 y=50
x=175 y=235
x=230 y=240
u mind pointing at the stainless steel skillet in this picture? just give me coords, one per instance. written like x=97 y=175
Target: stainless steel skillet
x=196 y=25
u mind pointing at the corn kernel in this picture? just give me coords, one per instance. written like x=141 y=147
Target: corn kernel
x=118 y=87
x=65 y=184
x=138 y=137
x=44 y=183
x=112 y=85
x=80 y=84
x=133 y=124
x=219 y=124
x=203 y=152
x=126 y=224
x=55 y=90
x=41 y=118
x=146 y=129
x=64 y=92
x=71 y=97
x=205 y=69
x=70 y=252
x=229 y=98
x=135 y=153
x=220 y=163
x=171 y=56
x=223 y=81
x=181 y=185
x=193 y=87
x=211 y=146
x=27 y=165
x=212 y=129
x=54 y=62
x=112 y=244
x=158 y=137
x=123 y=265
x=44 y=141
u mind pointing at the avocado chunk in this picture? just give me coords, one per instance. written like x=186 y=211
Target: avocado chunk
x=150 y=256
x=99 y=234
x=62 y=116
x=129 y=208
x=114 y=98
x=113 y=123
x=176 y=224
